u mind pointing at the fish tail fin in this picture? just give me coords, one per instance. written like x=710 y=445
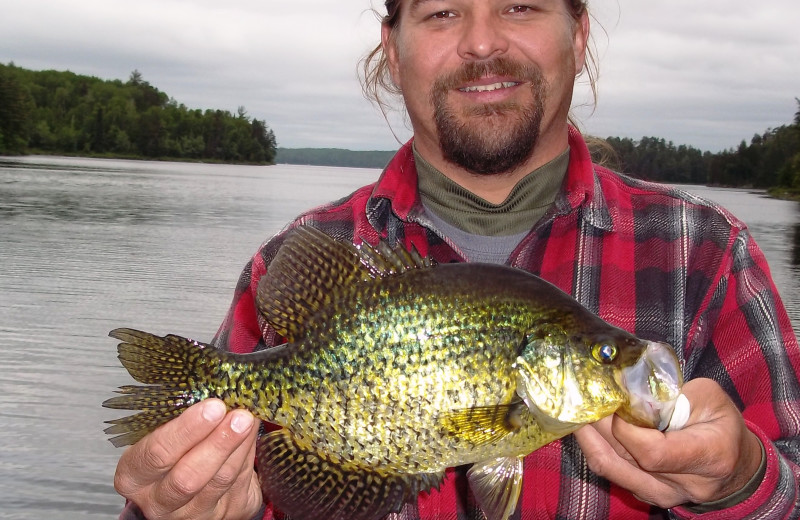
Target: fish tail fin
x=174 y=370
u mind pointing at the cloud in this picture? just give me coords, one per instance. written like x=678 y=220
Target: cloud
x=707 y=74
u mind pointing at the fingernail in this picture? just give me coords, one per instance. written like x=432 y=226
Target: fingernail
x=241 y=423
x=213 y=411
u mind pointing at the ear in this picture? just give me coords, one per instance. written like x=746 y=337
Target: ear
x=389 y=44
x=580 y=41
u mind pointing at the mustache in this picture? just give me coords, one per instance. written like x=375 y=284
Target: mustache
x=473 y=71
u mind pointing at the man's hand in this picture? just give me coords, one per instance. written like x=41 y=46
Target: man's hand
x=200 y=465
x=712 y=457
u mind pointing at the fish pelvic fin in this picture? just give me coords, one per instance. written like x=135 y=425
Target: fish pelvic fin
x=496 y=485
x=313 y=486
x=484 y=424
x=311 y=270
x=172 y=367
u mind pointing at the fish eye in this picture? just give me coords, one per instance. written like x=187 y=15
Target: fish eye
x=604 y=352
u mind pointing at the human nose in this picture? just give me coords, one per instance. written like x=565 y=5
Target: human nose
x=482 y=38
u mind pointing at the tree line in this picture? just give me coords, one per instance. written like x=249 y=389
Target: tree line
x=66 y=113
x=769 y=160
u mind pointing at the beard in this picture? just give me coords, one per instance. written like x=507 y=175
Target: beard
x=492 y=138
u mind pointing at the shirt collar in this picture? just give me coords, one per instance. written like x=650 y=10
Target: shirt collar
x=582 y=190
x=396 y=190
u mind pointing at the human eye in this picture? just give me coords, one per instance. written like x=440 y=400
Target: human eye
x=432 y=10
x=441 y=15
x=522 y=9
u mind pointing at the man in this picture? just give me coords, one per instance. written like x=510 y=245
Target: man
x=495 y=173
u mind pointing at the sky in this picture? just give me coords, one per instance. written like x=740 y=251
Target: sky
x=703 y=73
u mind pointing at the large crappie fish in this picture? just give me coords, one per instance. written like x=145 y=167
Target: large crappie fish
x=394 y=370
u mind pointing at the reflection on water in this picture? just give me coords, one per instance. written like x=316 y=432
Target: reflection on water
x=90 y=245
x=775 y=225
x=796 y=249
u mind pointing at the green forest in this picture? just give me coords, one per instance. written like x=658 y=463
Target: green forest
x=55 y=112
x=769 y=161
x=65 y=113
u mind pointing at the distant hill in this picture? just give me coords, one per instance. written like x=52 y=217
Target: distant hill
x=334 y=157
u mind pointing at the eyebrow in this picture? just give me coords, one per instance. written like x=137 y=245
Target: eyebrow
x=416 y=4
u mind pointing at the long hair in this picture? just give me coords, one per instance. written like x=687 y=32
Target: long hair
x=376 y=81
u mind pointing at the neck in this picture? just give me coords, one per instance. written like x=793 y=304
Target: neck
x=530 y=199
x=493 y=188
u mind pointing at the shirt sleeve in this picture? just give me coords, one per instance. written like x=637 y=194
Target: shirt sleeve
x=244 y=330
x=753 y=353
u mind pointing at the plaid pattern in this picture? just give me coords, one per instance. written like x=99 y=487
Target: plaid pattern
x=648 y=258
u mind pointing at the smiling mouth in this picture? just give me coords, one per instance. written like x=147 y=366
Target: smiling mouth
x=489 y=88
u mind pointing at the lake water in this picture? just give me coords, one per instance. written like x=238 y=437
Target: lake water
x=90 y=245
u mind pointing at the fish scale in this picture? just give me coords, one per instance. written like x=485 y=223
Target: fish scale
x=394 y=369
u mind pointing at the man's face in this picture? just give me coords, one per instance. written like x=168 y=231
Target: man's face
x=486 y=82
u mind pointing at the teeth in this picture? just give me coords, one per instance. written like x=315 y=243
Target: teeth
x=489 y=88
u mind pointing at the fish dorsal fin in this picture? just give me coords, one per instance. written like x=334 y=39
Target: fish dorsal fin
x=484 y=424
x=384 y=260
x=306 y=484
x=305 y=275
x=496 y=485
x=311 y=270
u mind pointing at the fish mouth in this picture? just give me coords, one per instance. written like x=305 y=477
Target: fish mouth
x=653 y=385
x=558 y=387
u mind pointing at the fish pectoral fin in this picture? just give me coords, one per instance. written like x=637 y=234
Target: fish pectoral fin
x=484 y=424
x=313 y=486
x=496 y=485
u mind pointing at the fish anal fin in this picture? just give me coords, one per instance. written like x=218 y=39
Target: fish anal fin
x=484 y=424
x=496 y=485
x=306 y=484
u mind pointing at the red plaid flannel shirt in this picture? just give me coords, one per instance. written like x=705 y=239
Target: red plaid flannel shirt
x=658 y=262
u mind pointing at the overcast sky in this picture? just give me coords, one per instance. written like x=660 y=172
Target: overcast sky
x=706 y=73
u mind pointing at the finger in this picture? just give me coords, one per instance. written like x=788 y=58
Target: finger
x=714 y=455
x=248 y=485
x=710 y=414
x=147 y=461
x=234 y=478
x=603 y=428
x=658 y=452
x=197 y=468
x=595 y=447
x=604 y=460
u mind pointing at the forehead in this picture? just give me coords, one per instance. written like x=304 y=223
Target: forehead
x=414 y=4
